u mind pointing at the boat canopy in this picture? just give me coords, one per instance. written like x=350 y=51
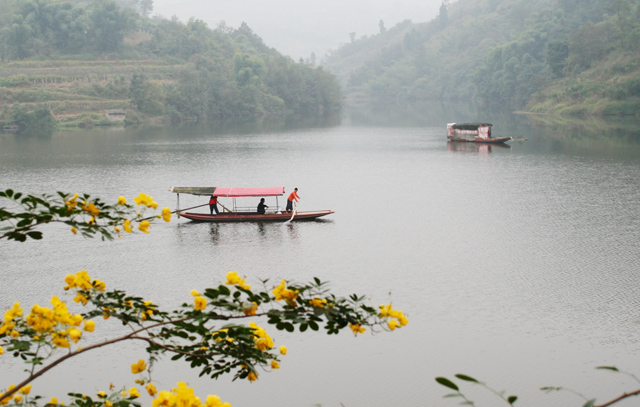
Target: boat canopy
x=469 y=126
x=229 y=191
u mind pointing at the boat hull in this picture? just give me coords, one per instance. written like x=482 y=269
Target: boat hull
x=493 y=140
x=253 y=217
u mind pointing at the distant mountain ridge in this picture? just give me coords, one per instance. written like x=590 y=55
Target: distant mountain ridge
x=516 y=53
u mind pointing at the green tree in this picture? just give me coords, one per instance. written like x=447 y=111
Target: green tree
x=109 y=24
x=556 y=55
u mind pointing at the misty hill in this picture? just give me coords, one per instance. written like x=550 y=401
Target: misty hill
x=500 y=53
x=89 y=62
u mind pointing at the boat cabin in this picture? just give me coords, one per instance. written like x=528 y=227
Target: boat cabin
x=469 y=131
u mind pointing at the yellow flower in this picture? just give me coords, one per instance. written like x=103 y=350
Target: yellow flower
x=252 y=377
x=283 y=350
x=260 y=336
x=102 y=394
x=122 y=200
x=91 y=208
x=75 y=335
x=275 y=365
x=74 y=230
x=133 y=393
x=357 y=329
x=214 y=401
x=1 y=350
x=144 y=225
x=144 y=199
x=166 y=214
x=53 y=401
x=281 y=292
x=200 y=303
x=393 y=324
x=151 y=389
x=317 y=302
x=127 y=226
x=250 y=309
x=26 y=389
x=14 y=312
x=71 y=203
x=17 y=398
x=195 y=293
x=15 y=334
x=234 y=279
x=108 y=403
x=138 y=367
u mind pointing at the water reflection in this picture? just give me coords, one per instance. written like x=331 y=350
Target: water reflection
x=481 y=148
x=214 y=233
x=593 y=136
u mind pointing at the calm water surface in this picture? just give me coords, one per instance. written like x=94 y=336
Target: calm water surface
x=518 y=266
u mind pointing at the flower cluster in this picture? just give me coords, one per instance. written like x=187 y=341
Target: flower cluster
x=17 y=397
x=82 y=283
x=146 y=200
x=282 y=293
x=234 y=279
x=387 y=312
x=183 y=396
x=262 y=338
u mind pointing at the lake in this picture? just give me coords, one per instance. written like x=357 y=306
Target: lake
x=516 y=265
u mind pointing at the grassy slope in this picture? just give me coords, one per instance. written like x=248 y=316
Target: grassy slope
x=611 y=87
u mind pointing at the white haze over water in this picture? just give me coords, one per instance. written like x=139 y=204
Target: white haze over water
x=299 y=27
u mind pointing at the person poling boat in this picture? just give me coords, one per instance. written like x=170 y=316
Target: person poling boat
x=213 y=204
x=292 y=196
x=264 y=212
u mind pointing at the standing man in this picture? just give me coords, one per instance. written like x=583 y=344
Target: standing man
x=292 y=196
x=213 y=204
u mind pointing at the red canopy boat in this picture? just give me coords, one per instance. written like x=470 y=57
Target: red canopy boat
x=243 y=214
x=473 y=132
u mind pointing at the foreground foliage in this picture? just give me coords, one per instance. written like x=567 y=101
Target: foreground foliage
x=215 y=331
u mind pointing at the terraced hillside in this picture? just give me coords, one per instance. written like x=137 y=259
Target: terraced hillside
x=79 y=93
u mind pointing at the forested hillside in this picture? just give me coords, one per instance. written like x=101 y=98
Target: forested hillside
x=80 y=60
x=567 y=53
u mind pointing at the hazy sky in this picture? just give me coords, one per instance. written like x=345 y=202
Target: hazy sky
x=299 y=27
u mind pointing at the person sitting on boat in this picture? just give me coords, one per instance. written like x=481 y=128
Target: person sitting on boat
x=292 y=196
x=213 y=204
x=262 y=207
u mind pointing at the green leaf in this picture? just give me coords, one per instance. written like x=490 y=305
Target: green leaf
x=35 y=235
x=466 y=378
x=447 y=383
x=590 y=403
x=512 y=399
x=613 y=368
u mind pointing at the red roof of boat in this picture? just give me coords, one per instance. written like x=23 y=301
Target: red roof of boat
x=229 y=191
x=238 y=192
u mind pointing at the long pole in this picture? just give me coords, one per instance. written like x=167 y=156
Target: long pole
x=295 y=210
x=177 y=211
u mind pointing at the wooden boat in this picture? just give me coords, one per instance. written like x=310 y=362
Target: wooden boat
x=473 y=132
x=243 y=214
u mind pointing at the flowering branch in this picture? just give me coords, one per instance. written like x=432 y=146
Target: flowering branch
x=193 y=332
